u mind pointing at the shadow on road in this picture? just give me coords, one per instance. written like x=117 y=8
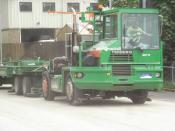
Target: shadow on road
x=100 y=102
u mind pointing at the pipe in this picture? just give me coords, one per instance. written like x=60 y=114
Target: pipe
x=143 y=3
x=110 y=4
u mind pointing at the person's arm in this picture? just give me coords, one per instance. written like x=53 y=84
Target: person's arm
x=143 y=32
x=128 y=32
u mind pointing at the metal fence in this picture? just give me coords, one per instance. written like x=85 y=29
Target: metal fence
x=169 y=77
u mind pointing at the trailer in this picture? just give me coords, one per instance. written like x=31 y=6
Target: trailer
x=117 y=59
x=25 y=76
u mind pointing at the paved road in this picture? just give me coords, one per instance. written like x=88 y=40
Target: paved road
x=19 y=113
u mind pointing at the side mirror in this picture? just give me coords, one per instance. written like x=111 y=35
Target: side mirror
x=161 y=24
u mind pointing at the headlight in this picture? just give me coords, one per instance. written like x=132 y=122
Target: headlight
x=146 y=76
x=78 y=75
x=158 y=75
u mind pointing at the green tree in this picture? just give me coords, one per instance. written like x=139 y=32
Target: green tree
x=167 y=9
x=121 y=3
x=125 y=3
x=104 y=2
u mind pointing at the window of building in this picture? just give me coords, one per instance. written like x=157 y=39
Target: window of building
x=36 y=35
x=25 y=6
x=76 y=6
x=48 y=6
x=94 y=6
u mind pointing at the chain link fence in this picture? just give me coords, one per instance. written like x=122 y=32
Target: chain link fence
x=169 y=76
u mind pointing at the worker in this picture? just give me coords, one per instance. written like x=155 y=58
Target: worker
x=134 y=34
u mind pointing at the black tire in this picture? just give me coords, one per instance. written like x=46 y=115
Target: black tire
x=18 y=85
x=1 y=81
x=48 y=94
x=139 y=96
x=72 y=93
x=26 y=85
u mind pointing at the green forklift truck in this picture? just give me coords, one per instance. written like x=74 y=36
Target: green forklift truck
x=121 y=57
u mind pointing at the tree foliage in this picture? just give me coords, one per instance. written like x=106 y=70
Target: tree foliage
x=120 y=3
x=167 y=9
x=125 y=3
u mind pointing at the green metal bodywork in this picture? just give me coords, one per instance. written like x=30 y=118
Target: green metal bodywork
x=144 y=62
x=21 y=67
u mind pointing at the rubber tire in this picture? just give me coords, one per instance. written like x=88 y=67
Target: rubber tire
x=26 y=85
x=139 y=96
x=73 y=97
x=18 y=85
x=1 y=81
x=47 y=93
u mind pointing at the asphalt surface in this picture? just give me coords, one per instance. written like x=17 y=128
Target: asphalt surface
x=18 y=113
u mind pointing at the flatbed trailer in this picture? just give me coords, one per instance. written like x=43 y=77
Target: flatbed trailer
x=25 y=75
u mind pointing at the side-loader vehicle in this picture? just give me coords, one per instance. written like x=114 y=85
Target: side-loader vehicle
x=121 y=57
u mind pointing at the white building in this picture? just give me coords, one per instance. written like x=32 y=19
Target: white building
x=0 y=22
x=24 y=20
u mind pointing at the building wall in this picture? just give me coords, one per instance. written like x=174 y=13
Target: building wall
x=37 y=18
x=13 y=20
x=0 y=22
x=3 y=21
x=4 y=14
x=11 y=36
x=67 y=19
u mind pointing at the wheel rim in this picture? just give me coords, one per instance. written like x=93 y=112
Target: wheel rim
x=69 y=90
x=45 y=87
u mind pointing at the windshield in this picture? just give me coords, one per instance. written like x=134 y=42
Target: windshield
x=140 y=31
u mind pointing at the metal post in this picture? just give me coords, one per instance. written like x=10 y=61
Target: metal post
x=68 y=47
x=143 y=3
x=19 y=19
x=110 y=4
x=74 y=27
x=74 y=37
